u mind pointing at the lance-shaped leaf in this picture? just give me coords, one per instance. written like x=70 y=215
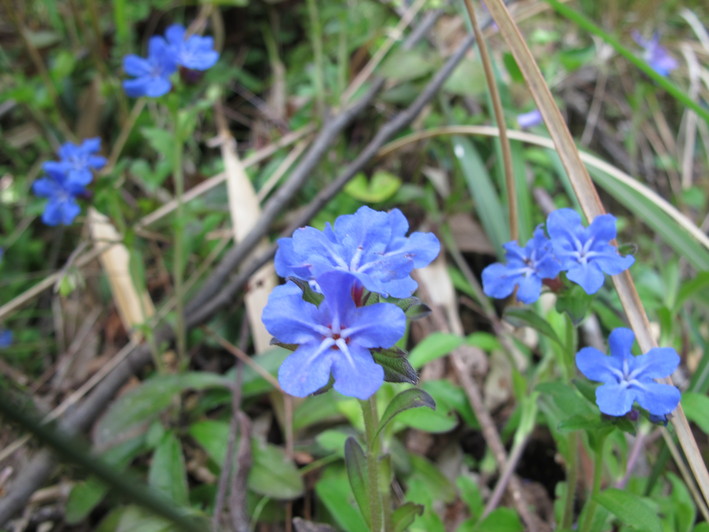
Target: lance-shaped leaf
x=356 y=464
x=406 y=400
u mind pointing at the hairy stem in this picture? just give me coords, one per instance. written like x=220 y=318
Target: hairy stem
x=371 y=420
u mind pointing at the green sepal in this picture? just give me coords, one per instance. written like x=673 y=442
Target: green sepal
x=396 y=366
x=309 y=295
x=575 y=302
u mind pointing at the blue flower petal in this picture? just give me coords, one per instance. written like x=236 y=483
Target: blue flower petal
x=289 y=318
x=597 y=366
x=658 y=399
x=603 y=227
x=614 y=399
x=498 y=281
x=621 y=342
x=530 y=287
x=657 y=363
x=306 y=370
x=357 y=375
x=587 y=275
x=378 y=325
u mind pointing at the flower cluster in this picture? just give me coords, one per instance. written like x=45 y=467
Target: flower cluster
x=584 y=253
x=66 y=179
x=165 y=55
x=655 y=55
x=366 y=253
x=628 y=379
x=5 y=338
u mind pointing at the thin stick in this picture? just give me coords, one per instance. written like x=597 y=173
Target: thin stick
x=500 y=119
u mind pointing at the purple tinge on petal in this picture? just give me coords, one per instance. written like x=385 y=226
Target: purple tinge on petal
x=529 y=119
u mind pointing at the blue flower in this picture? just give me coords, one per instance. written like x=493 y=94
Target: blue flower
x=61 y=207
x=5 y=338
x=371 y=245
x=334 y=338
x=152 y=75
x=529 y=119
x=194 y=52
x=526 y=267
x=655 y=55
x=77 y=161
x=585 y=253
x=627 y=378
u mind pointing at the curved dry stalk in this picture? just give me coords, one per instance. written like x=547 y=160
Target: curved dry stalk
x=544 y=142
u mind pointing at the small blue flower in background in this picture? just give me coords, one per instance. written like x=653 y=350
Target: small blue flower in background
x=371 y=245
x=152 y=74
x=529 y=119
x=334 y=338
x=195 y=52
x=655 y=55
x=61 y=207
x=526 y=267
x=585 y=253
x=627 y=378
x=66 y=179
x=77 y=161
x=5 y=338
x=165 y=55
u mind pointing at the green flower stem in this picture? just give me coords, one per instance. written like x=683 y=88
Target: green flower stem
x=371 y=421
x=178 y=258
x=572 y=462
x=591 y=504
x=572 y=473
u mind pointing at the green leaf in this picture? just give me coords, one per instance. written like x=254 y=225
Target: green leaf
x=272 y=474
x=382 y=186
x=334 y=492
x=412 y=307
x=85 y=496
x=405 y=65
x=404 y=515
x=482 y=189
x=213 y=437
x=525 y=316
x=356 y=464
x=434 y=346
x=134 y=519
x=691 y=289
x=167 y=470
x=575 y=302
x=396 y=366
x=431 y=484
x=500 y=520
x=148 y=400
x=696 y=408
x=411 y=398
x=632 y=510
x=568 y=401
